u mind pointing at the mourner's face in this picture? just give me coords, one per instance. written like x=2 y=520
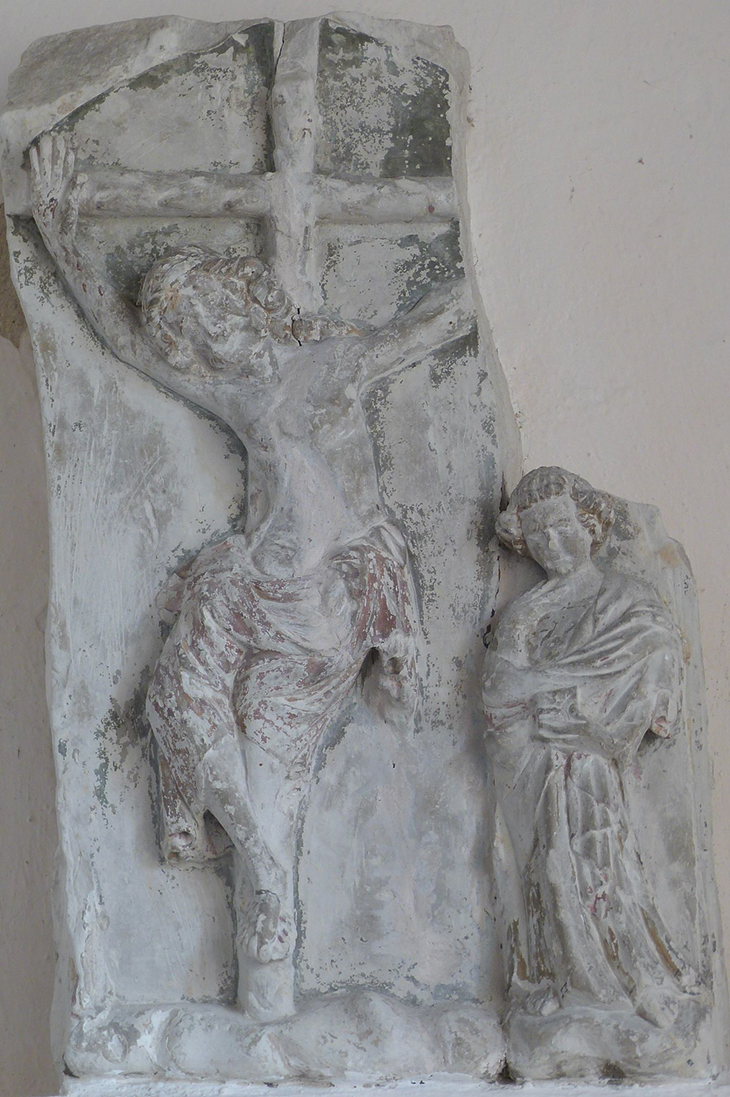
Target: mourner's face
x=554 y=536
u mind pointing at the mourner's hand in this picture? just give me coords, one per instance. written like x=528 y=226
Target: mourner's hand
x=558 y=715
x=55 y=190
x=666 y=710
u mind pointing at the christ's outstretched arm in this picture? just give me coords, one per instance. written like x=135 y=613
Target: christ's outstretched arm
x=56 y=195
x=442 y=315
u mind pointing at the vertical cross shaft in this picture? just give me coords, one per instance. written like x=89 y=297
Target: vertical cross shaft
x=294 y=115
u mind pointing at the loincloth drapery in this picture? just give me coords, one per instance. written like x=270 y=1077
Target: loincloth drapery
x=271 y=659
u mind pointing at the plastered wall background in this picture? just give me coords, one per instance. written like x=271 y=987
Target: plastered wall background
x=599 y=181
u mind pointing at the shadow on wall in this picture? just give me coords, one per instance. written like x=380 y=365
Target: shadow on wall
x=27 y=782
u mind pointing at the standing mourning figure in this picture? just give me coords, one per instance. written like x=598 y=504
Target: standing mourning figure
x=582 y=668
x=273 y=625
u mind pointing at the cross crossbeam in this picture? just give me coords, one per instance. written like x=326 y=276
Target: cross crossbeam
x=123 y=193
x=293 y=199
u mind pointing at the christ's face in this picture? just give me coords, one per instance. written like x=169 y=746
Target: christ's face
x=554 y=535
x=232 y=326
x=219 y=319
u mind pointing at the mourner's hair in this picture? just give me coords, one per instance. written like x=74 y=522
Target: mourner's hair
x=594 y=508
x=192 y=288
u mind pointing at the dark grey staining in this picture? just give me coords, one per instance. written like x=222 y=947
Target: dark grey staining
x=421 y=138
x=119 y=252
x=411 y=260
x=428 y=263
x=224 y=88
x=380 y=118
x=446 y=362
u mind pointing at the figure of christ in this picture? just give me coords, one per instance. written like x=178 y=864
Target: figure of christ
x=275 y=626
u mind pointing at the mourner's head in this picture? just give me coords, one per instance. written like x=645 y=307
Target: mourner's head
x=557 y=518
x=205 y=311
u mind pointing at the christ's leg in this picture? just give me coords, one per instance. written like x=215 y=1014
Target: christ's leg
x=259 y=826
x=183 y=834
x=227 y=796
x=189 y=706
x=248 y=793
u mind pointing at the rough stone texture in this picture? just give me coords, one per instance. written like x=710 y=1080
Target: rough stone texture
x=429 y=1087
x=12 y=321
x=596 y=731
x=391 y=905
x=390 y=866
x=26 y=758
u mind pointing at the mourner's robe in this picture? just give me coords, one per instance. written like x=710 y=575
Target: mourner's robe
x=588 y=931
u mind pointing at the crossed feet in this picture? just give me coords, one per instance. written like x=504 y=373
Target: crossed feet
x=268 y=931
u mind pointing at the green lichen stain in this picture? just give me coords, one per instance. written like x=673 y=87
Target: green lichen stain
x=380 y=118
x=122 y=744
x=428 y=263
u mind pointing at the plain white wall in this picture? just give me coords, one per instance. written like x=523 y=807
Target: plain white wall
x=599 y=182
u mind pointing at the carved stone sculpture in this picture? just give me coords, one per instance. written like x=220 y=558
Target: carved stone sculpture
x=272 y=417
x=278 y=442
x=585 y=674
x=273 y=624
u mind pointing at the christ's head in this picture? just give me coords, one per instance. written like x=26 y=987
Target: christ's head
x=209 y=313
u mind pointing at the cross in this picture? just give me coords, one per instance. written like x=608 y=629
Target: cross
x=293 y=199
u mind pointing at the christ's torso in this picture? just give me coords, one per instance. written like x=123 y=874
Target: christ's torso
x=312 y=479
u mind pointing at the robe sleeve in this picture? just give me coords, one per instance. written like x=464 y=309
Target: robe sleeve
x=623 y=664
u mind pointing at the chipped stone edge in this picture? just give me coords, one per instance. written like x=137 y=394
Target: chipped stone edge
x=153 y=41
x=433 y=1086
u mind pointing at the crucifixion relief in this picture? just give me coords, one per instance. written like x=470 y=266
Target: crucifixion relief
x=273 y=624
x=298 y=839
x=291 y=269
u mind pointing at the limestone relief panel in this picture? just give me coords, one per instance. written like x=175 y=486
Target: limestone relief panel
x=277 y=438
x=297 y=839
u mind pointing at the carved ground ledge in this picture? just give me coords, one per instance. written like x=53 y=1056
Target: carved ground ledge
x=307 y=830
x=430 y=1087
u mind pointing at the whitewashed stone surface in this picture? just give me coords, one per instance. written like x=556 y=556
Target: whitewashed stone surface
x=440 y=1086
x=594 y=699
x=301 y=896
x=277 y=826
